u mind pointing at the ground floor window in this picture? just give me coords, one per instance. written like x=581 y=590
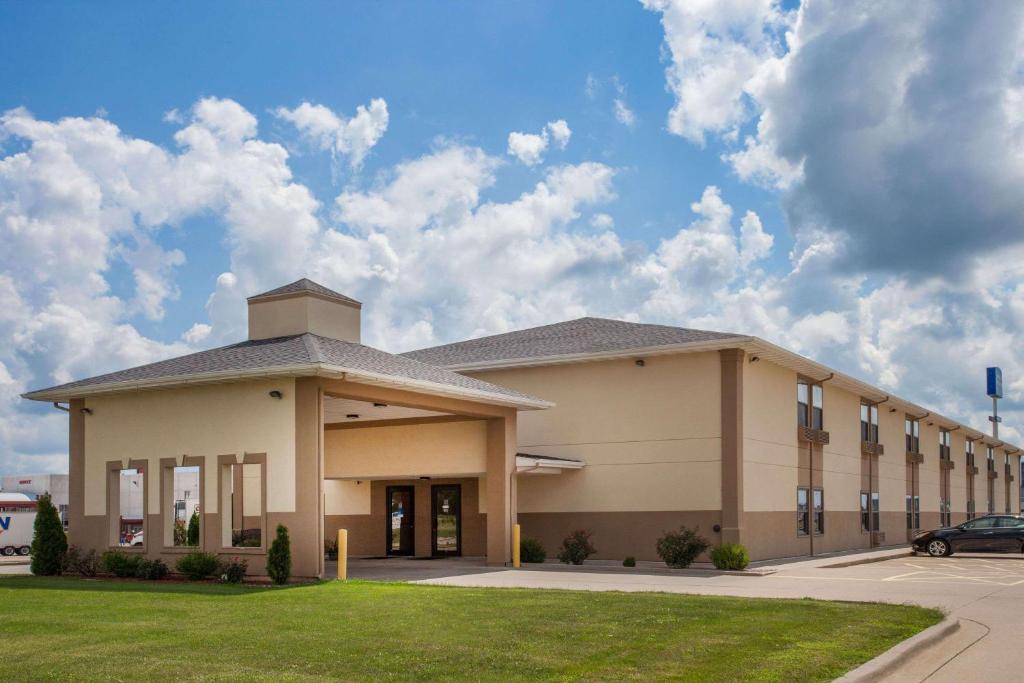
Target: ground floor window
x=945 y=515
x=970 y=508
x=913 y=512
x=870 y=514
x=243 y=500
x=127 y=500
x=819 y=511
x=803 y=522
x=181 y=500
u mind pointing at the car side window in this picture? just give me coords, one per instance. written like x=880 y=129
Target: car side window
x=1016 y=522
x=984 y=523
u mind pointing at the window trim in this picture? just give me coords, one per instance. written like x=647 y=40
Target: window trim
x=912 y=433
x=805 y=411
x=803 y=519
x=871 y=423
x=114 y=468
x=225 y=518
x=167 y=466
x=816 y=527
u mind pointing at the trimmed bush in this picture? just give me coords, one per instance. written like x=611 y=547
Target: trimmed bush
x=680 y=548
x=279 y=558
x=730 y=556
x=192 y=537
x=331 y=549
x=154 y=570
x=233 y=571
x=629 y=562
x=198 y=566
x=120 y=564
x=49 y=542
x=180 y=532
x=530 y=550
x=577 y=547
x=83 y=564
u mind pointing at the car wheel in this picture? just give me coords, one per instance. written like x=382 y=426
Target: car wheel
x=24 y=550
x=938 y=548
x=9 y=550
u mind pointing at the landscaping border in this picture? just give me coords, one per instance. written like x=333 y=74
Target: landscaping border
x=893 y=658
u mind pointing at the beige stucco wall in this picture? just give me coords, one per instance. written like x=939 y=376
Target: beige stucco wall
x=430 y=449
x=769 y=437
x=303 y=313
x=650 y=436
x=205 y=421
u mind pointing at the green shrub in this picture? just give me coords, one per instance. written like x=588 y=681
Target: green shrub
x=279 y=559
x=180 y=532
x=577 y=547
x=83 y=564
x=531 y=550
x=49 y=542
x=192 y=537
x=233 y=571
x=198 y=565
x=629 y=562
x=120 y=564
x=331 y=549
x=154 y=570
x=680 y=548
x=730 y=556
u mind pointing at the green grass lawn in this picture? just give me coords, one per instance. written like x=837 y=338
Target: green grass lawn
x=75 y=629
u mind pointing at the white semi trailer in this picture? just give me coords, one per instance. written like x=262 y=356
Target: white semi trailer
x=17 y=522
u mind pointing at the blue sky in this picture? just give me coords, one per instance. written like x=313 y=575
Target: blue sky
x=803 y=173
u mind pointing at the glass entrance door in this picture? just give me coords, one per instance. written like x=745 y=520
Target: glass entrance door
x=446 y=520
x=401 y=519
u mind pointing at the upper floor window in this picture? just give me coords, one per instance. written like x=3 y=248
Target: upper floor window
x=912 y=428
x=991 y=459
x=944 y=441
x=970 y=453
x=869 y=423
x=809 y=400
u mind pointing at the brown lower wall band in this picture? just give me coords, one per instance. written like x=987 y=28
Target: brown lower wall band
x=616 y=535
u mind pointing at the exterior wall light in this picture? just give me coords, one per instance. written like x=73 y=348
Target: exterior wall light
x=352 y=416
x=380 y=405
x=276 y=394
x=640 y=362
x=86 y=411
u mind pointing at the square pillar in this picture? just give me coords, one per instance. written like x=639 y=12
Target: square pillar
x=501 y=467
x=732 y=444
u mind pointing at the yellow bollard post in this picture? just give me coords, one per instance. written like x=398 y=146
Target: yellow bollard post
x=515 y=546
x=342 y=554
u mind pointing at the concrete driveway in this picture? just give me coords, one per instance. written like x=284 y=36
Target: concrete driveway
x=985 y=592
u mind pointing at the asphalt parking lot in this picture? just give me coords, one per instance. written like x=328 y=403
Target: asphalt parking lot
x=985 y=592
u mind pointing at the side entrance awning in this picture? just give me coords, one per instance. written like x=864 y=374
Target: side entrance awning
x=527 y=463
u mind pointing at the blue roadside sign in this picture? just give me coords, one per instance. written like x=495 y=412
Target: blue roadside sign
x=994 y=382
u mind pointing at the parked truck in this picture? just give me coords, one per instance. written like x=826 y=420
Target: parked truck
x=17 y=522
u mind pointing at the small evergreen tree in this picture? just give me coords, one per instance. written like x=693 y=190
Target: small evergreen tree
x=279 y=559
x=193 y=528
x=49 y=543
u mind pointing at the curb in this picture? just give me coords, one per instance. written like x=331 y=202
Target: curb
x=643 y=571
x=865 y=560
x=893 y=658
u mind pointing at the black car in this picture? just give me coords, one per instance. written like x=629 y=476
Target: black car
x=989 y=534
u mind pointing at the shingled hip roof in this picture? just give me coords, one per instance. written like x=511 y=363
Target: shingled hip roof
x=297 y=356
x=582 y=337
